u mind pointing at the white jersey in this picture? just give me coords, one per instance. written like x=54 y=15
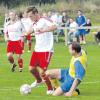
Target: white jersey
x=44 y=41
x=27 y=23
x=14 y=31
x=73 y=25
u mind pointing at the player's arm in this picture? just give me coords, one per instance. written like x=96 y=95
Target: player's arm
x=74 y=85
x=30 y=31
x=47 y=29
x=79 y=74
x=50 y=26
x=6 y=37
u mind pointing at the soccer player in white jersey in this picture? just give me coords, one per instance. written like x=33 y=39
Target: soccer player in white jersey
x=13 y=32
x=43 y=50
x=27 y=24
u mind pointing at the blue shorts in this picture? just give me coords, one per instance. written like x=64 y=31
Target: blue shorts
x=66 y=80
x=81 y=32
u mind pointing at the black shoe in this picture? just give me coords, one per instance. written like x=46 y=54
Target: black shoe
x=13 y=67
x=78 y=91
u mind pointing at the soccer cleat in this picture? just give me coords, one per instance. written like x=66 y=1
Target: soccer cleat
x=78 y=91
x=35 y=84
x=13 y=67
x=50 y=92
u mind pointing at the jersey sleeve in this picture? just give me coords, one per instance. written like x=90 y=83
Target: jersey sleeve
x=79 y=70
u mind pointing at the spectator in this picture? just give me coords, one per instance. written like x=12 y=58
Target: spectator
x=88 y=23
x=64 y=19
x=73 y=32
x=97 y=37
x=81 y=21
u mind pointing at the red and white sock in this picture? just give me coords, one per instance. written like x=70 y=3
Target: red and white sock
x=20 y=63
x=36 y=74
x=47 y=81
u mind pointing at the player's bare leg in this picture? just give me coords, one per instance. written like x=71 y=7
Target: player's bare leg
x=56 y=74
x=58 y=92
x=11 y=60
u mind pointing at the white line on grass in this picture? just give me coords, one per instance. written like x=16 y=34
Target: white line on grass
x=13 y=88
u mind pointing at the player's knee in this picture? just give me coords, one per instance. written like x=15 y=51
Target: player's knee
x=9 y=55
x=31 y=69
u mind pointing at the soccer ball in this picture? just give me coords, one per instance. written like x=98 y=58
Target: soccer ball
x=25 y=89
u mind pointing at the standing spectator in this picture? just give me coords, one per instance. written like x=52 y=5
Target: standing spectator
x=73 y=32
x=81 y=21
x=88 y=23
x=64 y=19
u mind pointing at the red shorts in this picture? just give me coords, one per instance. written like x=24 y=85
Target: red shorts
x=40 y=59
x=14 y=47
x=28 y=37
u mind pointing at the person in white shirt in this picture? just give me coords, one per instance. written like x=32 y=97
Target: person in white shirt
x=13 y=32
x=73 y=32
x=43 y=50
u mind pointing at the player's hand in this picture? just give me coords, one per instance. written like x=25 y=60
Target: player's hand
x=68 y=94
x=41 y=30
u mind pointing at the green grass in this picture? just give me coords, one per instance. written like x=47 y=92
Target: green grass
x=11 y=82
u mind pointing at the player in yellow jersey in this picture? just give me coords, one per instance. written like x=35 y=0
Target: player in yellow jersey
x=70 y=78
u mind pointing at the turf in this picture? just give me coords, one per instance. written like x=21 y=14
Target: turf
x=11 y=82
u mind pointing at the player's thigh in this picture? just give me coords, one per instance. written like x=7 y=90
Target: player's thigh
x=54 y=73
x=18 y=48
x=44 y=59
x=10 y=47
x=33 y=61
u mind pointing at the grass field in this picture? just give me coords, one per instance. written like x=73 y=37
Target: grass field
x=11 y=82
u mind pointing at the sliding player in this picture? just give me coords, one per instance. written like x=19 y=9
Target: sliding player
x=71 y=77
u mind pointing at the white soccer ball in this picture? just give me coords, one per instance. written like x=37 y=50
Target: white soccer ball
x=25 y=89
